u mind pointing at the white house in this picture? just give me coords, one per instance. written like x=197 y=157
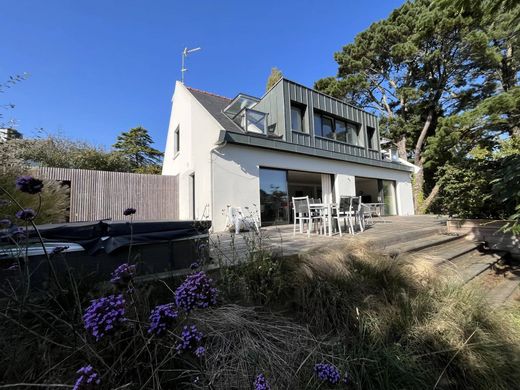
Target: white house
x=260 y=152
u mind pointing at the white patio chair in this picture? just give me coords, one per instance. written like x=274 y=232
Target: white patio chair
x=236 y=218
x=368 y=212
x=302 y=213
x=343 y=213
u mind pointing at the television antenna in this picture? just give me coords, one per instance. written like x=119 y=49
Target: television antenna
x=185 y=53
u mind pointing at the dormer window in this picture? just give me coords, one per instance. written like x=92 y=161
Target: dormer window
x=252 y=121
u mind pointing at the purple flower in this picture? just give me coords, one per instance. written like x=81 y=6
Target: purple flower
x=104 y=315
x=200 y=352
x=261 y=383
x=327 y=373
x=129 y=211
x=161 y=318
x=26 y=214
x=88 y=378
x=190 y=339
x=194 y=266
x=196 y=291
x=123 y=275
x=29 y=184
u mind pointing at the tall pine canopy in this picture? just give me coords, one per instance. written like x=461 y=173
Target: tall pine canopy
x=135 y=145
x=442 y=76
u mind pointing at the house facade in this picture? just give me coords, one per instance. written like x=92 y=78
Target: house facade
x=257 y=153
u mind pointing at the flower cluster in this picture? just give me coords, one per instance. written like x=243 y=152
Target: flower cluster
x=200 y=351
x=29 y=184
x=88 y=378
x=104 y=315
x=327 y=373
x=196 y=291
x=261 y=383
x=26 y=214
x=123 y=275
x=129 y=211
x=190 y=339
x=161 y=318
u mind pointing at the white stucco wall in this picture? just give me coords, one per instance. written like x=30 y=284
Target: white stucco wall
x=236 y=177
x=199 y=132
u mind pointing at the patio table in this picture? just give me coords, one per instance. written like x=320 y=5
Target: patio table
x=327 y=209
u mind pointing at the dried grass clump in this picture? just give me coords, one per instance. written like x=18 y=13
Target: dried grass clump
x=242 y=342
x=331 y=285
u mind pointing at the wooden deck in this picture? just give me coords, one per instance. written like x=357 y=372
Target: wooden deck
x=232 y=248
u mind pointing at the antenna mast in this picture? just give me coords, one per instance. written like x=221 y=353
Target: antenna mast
x=185 y=53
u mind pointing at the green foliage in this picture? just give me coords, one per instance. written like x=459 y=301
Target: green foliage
x=60 y=152
x=276 y=74
x=135 y=146
x=466 y=189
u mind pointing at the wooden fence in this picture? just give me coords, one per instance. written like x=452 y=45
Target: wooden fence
x=96 y=195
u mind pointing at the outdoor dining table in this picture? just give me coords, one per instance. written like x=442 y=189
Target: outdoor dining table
x=325 y=208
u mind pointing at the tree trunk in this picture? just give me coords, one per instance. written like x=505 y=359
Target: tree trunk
x=401 y=148
x=429 y=200
x=418 y=183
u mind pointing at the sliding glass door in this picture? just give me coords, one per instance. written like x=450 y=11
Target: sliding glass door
x=274 y=205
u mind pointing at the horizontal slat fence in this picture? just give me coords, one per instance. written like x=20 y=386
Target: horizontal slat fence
x=96 y=195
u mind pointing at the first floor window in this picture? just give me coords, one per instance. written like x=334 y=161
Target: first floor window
x=297 y=114
x=337 y=129
x=371 y=136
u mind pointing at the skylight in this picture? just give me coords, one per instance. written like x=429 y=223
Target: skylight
x=239 y=103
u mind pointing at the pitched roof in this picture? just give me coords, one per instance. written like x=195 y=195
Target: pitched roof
x=215 y=104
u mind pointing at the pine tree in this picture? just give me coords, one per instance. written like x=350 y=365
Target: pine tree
x=276 y=74
x=135 y=145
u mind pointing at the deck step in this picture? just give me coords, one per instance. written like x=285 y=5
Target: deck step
x=451 y=250
x=505 y=290
x=432 y=240
x=470 y=265
x=391 y=239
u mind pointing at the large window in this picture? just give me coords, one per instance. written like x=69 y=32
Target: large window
x=297 y=115
x=337 y=129
x=274 y=205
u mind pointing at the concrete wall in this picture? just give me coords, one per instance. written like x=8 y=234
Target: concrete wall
x=236 y=177
x=199 y=132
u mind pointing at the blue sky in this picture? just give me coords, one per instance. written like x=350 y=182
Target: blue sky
x=100 y=67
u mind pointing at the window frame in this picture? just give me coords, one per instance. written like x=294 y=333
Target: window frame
x=177 y=141
x=371 y=141
x=333 y=119
x=301 y=108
